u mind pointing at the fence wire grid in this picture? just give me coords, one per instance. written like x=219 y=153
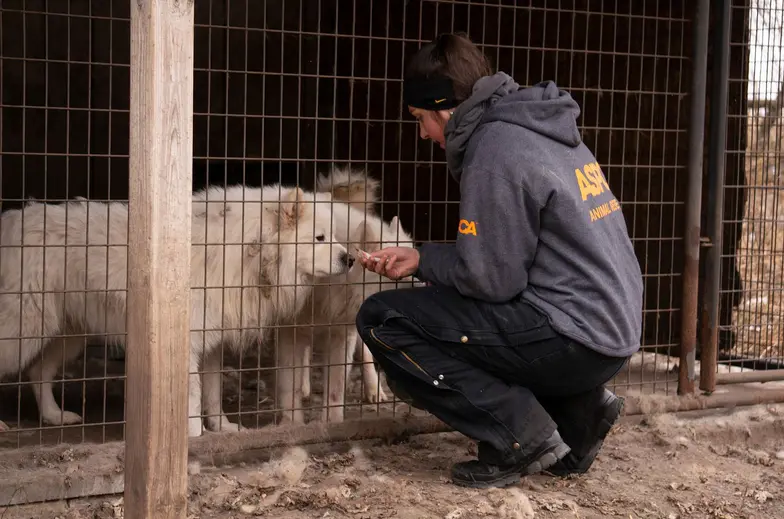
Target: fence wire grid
x=753 y=328
x=286 y=89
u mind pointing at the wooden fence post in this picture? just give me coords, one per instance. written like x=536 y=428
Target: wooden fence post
x=159 y=248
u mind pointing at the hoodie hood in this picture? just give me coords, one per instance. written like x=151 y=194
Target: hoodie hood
x=542 y=108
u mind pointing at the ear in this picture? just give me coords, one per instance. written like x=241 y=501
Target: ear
x=398 y=229
x=292 y=208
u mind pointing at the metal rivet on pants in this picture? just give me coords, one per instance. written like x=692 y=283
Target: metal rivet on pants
x=516 y=446
x=440 y=377
x=435 y=382
x=463 y=339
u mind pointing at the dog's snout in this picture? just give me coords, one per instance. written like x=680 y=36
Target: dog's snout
x=347 y=259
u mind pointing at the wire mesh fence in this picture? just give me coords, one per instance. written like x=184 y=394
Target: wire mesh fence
x=286 y=89
x=753 y=330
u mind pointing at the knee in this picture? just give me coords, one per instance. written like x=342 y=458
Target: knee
x=381 y=308
x=371 y=313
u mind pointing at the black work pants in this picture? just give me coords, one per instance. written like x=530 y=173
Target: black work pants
x=497 y=373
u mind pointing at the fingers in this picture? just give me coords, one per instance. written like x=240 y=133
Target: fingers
x=390 y=267
x=363 y=261
x=366 y=260
x=381 y=264
x=369 y=262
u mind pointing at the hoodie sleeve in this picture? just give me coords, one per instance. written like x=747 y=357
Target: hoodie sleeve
x=496 y=240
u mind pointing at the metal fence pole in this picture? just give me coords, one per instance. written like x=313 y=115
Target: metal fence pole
x=746 y=377
x=686 y=373
x=716 y=165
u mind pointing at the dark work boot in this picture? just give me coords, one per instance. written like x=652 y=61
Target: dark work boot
x=480 y=474
x=610 y=410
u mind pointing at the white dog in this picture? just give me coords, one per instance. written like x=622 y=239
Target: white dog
x=329 y=320
x=341 y=198
x=267 y=254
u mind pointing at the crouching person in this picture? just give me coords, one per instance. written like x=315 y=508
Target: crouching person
x=537 y=305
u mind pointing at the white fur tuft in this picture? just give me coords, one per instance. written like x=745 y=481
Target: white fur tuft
x=354 y=187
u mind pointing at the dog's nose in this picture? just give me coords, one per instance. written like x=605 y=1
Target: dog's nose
x=347 y=259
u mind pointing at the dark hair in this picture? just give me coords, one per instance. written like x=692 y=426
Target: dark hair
x=453 y=56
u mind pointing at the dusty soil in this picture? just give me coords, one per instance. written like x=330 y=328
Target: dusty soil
x=723 y=465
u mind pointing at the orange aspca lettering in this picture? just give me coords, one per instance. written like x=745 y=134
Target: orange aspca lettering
x=591 y=180
x=466 y=227
x=594 y=173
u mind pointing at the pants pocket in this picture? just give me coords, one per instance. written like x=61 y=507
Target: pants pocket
x=490 y=338
x=397 y=354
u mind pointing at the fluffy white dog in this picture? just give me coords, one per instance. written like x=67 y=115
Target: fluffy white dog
x=63 y=271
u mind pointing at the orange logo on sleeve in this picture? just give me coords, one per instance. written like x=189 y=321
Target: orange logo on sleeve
x=466 y=227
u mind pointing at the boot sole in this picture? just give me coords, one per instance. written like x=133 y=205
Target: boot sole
x=544 y=461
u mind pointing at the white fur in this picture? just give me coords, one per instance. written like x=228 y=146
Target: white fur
x=351 y=186
x=244 y=246
x=336 y=302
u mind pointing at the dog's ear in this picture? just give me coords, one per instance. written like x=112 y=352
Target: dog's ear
x=293 y=207
x=397 y=230
x=395 y=224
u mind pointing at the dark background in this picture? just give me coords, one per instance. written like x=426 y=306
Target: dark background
x=283 y=90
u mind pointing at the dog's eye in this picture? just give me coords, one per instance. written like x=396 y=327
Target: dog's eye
x=320 y=237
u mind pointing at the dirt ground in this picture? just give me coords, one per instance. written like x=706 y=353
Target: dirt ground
x=723 y=464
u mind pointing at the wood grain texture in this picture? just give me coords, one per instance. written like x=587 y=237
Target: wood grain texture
x=161 y=137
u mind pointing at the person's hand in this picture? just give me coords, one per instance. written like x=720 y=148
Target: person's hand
x=393 y=262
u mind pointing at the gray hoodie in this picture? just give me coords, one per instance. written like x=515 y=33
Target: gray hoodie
x=537 y=218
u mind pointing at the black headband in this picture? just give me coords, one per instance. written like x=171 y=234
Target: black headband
x=435 y=93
